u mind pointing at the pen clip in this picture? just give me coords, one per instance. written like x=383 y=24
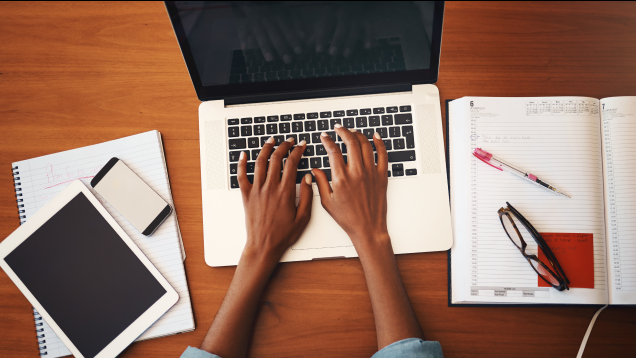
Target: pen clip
x=485 y=157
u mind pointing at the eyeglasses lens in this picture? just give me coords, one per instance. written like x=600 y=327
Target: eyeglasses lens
x=510 y=229
x=544 y=273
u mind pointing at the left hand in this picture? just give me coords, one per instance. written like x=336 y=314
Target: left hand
x=272 y=219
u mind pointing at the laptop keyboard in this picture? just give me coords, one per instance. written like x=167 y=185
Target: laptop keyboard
x=394 y=124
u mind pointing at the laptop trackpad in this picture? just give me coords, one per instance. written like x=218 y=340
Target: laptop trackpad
x=322 y=231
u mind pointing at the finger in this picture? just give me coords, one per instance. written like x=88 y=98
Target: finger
x=339 y=36
x=278 y=40
x=291 y=165
x=244 y=183
x=354 y=36
x=276 y=161
x=353 y=147
x=383 y=157
x=291 y=33
x=323 y=187
x=263 y=41
x=303 y=211
x=323 y=30
x=336 y=161
x=299 y=27
x=260 y=168
x=367 y=151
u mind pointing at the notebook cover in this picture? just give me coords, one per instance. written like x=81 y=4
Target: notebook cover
x=450 y=287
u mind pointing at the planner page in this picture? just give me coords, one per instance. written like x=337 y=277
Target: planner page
x=40 y=179
x=619 y=148
x=557 y=139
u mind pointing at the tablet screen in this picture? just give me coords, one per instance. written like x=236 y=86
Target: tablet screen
x=85 y=276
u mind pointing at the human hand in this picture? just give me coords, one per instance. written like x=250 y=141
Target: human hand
x=356 y=198
x=272 y=219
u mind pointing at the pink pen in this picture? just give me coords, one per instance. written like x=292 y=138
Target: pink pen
x=499 y=164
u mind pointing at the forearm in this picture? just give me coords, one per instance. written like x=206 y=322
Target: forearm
x=394 y=316
x=230 y=331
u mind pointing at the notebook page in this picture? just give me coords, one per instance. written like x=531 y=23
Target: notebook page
x=558 y=139
x=42 y=178
x=619 y=149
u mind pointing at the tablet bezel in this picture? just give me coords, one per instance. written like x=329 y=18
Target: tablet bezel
x=141 y=324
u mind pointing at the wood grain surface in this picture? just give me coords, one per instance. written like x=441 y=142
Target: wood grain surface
x=75 y=74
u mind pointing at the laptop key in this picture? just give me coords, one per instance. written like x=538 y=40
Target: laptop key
x=407 y=132
x=320 y=150
x=402 y=156
x=391 y=109
x=361 y=122
x=344 y=148
x=338 y=113
x=368 y=133
x=312 y=115
x=365 y=111
x=234 y=182
x=395 y=167
x=334 y=122
x=278 y=139
x=300 y=176
x=283 y=128
x=398 y=173
x=323 y=125
x=387 y=144
x=272 y=129
x=297 y=127
x=374 y=121
x=264 y=140
x=259 y=119
x=325 y=114
x=332 y=135
x=349 y=123
x=238 y=143
x=378 y=110
x=394 y=132
x=327 y=173
x=411 y=172
x=232 y=132
x=233 y=168
x=246 y=120
x=234 y=156
x=387 y=120
x=310 y=126
x=250 y=167
x=325 y=162
x=403 y=118
x=399 y=143
x=286 y=117
x=352 y=112
x=315 y=138
x=246 y=131
x=292 y=136
x=259 y=129
x=315 y=162
x=299 y=116
x=303 y=163
x=309 y=151
x=405 y=108
x=272 y=118
x=233 y=121
x=255 y=153
x=383 y=132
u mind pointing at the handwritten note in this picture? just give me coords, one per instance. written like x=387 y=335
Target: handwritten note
x=575 y=253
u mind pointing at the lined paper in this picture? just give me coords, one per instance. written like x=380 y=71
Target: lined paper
x=42 y=178
x=619 y=130
x=557 y=139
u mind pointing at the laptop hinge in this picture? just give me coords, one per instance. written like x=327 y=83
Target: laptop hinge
x=321 y=93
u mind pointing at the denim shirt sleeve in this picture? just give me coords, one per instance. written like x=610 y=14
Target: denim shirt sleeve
x=192 y=352
x=411 y=348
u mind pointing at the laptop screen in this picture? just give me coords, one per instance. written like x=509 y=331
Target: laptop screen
x=244 y=43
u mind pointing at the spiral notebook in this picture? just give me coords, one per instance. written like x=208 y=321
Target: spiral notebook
x=39 y=179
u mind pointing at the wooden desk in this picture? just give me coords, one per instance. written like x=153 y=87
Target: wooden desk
x=78 y=74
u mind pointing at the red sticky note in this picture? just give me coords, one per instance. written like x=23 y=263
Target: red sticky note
x=575 y=253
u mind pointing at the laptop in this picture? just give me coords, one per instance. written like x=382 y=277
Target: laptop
x=296 y=69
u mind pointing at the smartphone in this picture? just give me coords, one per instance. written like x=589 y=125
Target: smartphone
x=133 y=199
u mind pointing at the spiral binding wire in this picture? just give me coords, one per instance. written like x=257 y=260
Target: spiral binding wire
x=40 y=333
x=18 y=194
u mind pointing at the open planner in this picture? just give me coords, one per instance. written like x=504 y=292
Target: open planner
x=583 y=146
x=38 y=180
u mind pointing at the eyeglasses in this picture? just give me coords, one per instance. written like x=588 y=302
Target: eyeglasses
x=552 y=274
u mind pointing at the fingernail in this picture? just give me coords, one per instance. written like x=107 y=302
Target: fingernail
x=287 y=58
x=324 y=134
x=308 y=179
x=291 y=139
x=269 y=57
x=338 y=125
x=242 y=155
x=302 y=142
x=298 y=50
x=377 y=135
x=352 y=130
x=318 y=48
x=347 y=52
x=312 y=172
x=270 y=140
x=333 y=51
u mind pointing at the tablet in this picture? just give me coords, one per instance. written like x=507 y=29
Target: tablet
x=98 y=291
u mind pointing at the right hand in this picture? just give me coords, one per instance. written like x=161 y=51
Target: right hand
x=357 y=197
